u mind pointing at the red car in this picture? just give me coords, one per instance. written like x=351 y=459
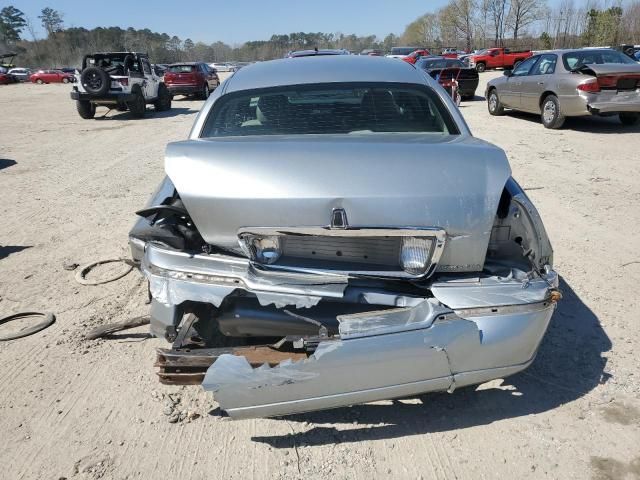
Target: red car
x=413 y=57
x=51 y=76
x=7 y=78
x=191 y=79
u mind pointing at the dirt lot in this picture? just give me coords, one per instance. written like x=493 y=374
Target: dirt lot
x=75 y=408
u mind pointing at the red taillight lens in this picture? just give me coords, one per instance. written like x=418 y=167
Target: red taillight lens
x=123 y=81
x=590 y=86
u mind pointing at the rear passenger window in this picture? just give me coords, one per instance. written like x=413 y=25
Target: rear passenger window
x=546 y=65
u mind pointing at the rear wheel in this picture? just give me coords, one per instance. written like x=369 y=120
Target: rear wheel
x=481 y=67
x=493 y=104
x=205 y=91
x=39 y=81
x=551 y=115
x=629 y=118
x=86 y=109
x=65 y=80
x=137 y=106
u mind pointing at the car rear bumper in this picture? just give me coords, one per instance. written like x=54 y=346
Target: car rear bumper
x=468 y=332
x=106 y=98
x=610 y=102
x=605 y=102
x=183 y=89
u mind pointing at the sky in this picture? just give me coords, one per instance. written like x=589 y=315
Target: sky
x=236 y=21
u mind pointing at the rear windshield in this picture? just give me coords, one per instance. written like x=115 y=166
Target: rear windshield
x=182 y=68
x=577 y=59
x=430 y=64
x=329 y=109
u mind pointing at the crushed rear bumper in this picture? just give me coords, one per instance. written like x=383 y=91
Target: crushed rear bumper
x=465 y=331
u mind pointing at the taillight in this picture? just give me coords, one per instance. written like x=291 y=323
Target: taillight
x=590 y=86
x=123 y=81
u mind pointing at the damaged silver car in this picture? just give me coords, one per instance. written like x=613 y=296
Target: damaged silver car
x=332 y=234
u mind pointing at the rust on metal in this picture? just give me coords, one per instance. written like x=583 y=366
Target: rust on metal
x=188 y=366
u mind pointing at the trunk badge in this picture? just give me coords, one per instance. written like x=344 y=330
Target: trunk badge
x=339 y=219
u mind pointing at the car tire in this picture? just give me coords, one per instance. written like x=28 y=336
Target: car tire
x=86 y=109
x=39 y=81
x=205 y=91
x=163 y=102
x=630 y=118
x=551 y=115
x=65 y=80
x=494 y=105
x=138 y=106
x=480 y=67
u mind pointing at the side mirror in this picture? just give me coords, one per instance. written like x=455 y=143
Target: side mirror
x=507 y=73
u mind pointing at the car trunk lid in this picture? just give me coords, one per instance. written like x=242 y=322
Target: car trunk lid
x=180 y=77
x=381 y=180
x=614 y=76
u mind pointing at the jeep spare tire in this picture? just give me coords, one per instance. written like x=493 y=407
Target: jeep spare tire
x=95 y=80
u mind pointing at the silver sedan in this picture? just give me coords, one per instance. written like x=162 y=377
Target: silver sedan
x=333 y=234
x=570 y=83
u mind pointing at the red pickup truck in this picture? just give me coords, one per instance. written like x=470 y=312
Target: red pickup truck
x=498 y=58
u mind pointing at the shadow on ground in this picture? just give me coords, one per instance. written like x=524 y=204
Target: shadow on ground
x=6 y=250
x=151 y=113
x=587 y=124
x=6 y=163
x=569 y=365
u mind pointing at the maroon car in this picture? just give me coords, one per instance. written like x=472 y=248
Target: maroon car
x=191 y=79
x=51 y=76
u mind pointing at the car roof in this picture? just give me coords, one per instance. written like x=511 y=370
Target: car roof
x=323 y=69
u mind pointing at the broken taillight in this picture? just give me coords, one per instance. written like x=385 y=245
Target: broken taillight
x=590 y=86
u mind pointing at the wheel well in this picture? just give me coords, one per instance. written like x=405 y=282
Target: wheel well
x=543 y=96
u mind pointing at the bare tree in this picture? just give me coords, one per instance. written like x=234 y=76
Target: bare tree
x=498 y=10
x=523 y=13
x=460 y=15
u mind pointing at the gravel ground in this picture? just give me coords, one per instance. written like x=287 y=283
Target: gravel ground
x=74 y=408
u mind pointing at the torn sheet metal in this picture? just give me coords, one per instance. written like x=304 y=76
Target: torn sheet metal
x=400 y=354
x=389 y=321
x=493 y=291
x=347 y=371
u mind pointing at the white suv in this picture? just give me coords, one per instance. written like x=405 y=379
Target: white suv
x=121 y=79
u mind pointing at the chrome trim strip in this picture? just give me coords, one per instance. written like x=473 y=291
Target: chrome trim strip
x=505 y=309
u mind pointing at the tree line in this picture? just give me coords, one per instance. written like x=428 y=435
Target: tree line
x=464 y=24
x=473 y=24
